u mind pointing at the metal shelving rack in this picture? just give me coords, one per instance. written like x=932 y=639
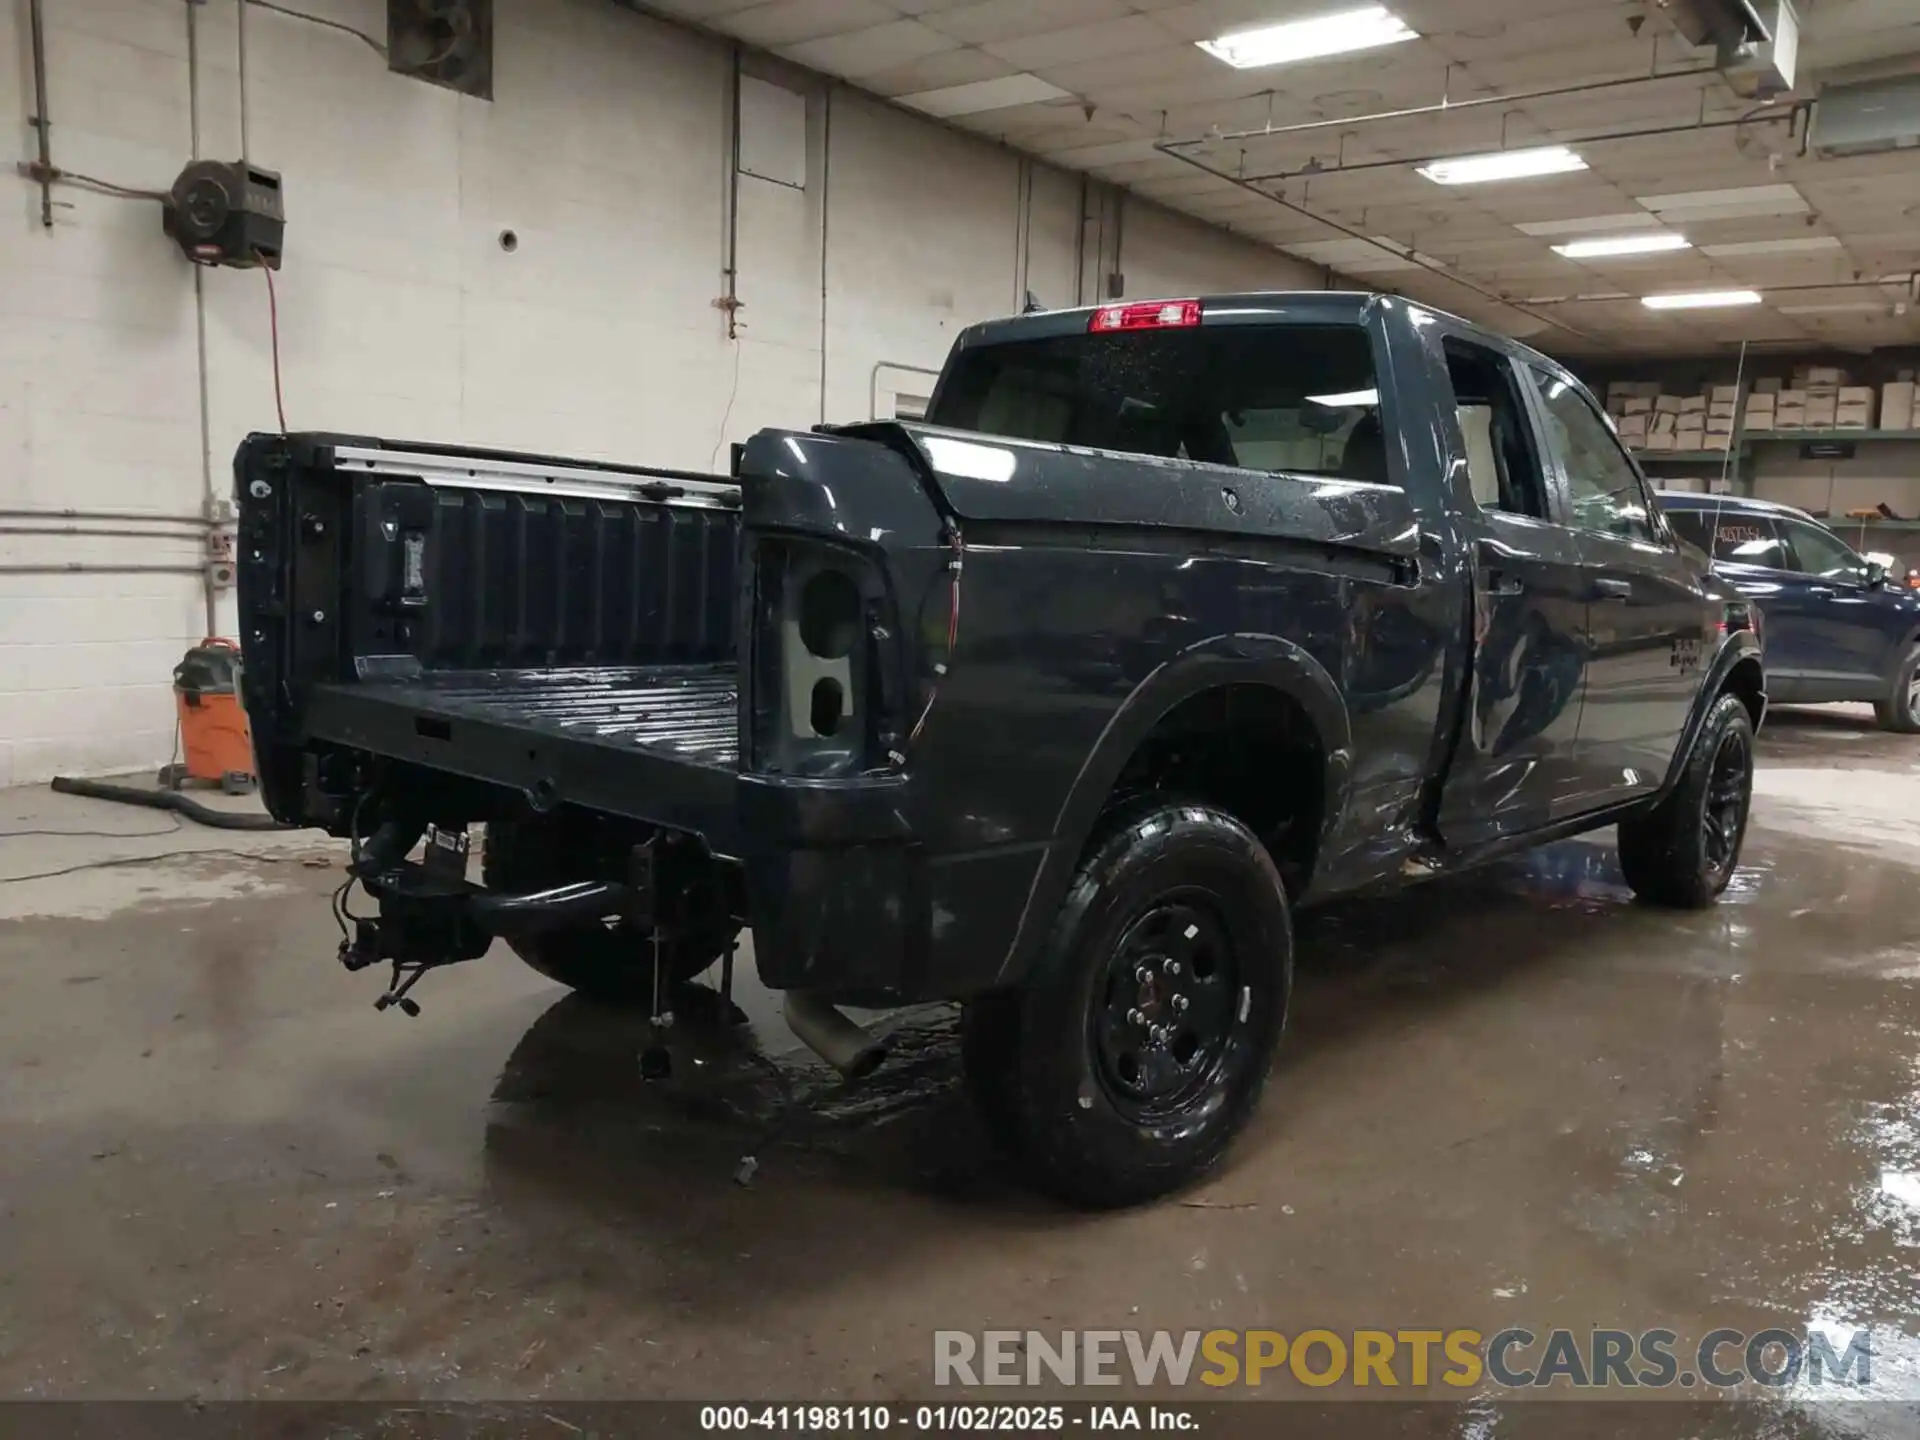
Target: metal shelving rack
x=1735 y=458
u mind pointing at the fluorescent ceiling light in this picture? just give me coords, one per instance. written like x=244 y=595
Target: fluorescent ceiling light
x=1623 y=245
x=1795 y=245
x=1592 y=224
x=1503 y=165
x=1701 y=300
x=1346 y=398
x=1338 y=34
x=980 y=95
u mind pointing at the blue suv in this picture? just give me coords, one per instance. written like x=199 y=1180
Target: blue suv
x=1833 y=627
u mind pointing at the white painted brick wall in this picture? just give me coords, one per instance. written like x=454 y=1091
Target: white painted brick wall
x=605 y=151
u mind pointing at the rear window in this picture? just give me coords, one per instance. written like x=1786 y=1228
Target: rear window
x=1295 y=398
x=1735 y=538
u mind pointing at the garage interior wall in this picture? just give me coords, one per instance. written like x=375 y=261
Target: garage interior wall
x=127 y=377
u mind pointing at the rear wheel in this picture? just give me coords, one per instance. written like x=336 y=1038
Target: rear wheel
x=1139 y=1048
x=1683 y=851
x=1899 y=709
x=611 y=963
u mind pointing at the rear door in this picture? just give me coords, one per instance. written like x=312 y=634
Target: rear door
x=1512 y=767
x=1839 y=638
x=1647 y=619
x=1750 y=553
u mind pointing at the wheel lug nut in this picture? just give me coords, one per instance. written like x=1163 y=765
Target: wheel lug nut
x=1179 y=1002
x=1134 y=1017
x=1173 y=967
x=1160 y=1034
x=1143 y=974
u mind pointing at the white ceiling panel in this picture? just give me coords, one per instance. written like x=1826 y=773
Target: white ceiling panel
x=789 y=22
x=999 y=20
x=983 y=95
x=859 y=53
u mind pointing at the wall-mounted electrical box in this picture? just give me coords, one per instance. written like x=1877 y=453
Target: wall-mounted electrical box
x=225 y=212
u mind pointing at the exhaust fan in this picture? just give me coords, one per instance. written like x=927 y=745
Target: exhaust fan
x=444 y=42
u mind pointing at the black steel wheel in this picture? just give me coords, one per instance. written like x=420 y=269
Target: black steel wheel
x=1166 y=1014
x=1684 y=850
x=610 y=963
x=1141 y=1042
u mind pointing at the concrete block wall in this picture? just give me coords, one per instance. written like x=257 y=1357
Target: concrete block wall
x=127 y=377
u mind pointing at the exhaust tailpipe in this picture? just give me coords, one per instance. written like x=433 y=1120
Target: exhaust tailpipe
x=832 y=1036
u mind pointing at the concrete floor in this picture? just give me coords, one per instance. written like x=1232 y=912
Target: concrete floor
x=1514 y=1098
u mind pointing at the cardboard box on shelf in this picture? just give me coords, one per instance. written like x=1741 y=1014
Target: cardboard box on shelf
x=1897 y=405
x=1712 y=441
x=1663 y=424
x=1790 y=417
x=1695 y=422
x=1638 y=405
x=1633 y=433
x=1825 y=375
x=1719 y=424
x=1724 y=394
x=1856 y=395
x=1723 y=410
x=1760 y=420
x=1667 y=405
x=1791 y=397
x=1690 y=403
x=1821 y=411
x=1660 y=442
x=1690 y=440
x=1855 y=416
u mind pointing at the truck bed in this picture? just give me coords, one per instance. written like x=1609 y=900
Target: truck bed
x=688 y=711
x=655 y=743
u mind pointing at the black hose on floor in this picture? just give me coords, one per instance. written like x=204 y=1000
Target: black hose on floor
x=166 y=800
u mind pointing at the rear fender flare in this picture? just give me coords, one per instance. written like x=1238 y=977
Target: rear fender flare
x=1740 y=647
x=1213 y=664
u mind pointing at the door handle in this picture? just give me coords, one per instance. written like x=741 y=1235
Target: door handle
x=1503 y=586
x=1820 y=590
x=1613 y=589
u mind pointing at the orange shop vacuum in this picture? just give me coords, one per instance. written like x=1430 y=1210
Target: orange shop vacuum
x=213 y=736
x=213 y=727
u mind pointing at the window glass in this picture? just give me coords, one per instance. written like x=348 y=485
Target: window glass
x=1732 y=537
x=1295 y=398
x=1819 y=552
x=1603 y=492
x=1503 y=466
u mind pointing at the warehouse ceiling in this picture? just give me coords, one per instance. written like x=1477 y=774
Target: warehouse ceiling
x=1121 y=90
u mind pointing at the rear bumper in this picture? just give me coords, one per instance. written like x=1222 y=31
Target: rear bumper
x=843 y=898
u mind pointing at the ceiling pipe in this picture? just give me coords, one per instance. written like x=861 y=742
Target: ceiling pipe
x=1445 y=107
x=1406 y=255
x=1312 y=171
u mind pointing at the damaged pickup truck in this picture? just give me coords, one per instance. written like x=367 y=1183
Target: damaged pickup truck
x=1173 y=618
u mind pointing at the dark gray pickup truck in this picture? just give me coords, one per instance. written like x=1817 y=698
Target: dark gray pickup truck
x=1174 y=617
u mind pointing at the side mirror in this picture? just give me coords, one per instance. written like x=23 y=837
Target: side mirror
x=1876 y=575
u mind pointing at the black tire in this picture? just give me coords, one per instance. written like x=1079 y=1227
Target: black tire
x=1683 y=852
x=1899 y=709
x=612 y=964
x=1113 y=1088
